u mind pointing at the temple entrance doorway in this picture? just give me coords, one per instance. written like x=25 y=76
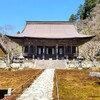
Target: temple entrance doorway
x=50 y=52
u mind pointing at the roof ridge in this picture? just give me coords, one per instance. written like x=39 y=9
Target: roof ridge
x=49 y=22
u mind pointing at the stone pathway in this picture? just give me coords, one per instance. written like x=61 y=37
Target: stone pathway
x=41 y=88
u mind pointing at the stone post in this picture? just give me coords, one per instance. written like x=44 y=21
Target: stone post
x=9 y=91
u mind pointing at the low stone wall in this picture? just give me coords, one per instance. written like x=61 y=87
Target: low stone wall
x=2 y=64
x=69 y=64
x=82 y=65
x=25 y=64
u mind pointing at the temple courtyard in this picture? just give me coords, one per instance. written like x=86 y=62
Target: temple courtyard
x=36 y=79
x=51 y=84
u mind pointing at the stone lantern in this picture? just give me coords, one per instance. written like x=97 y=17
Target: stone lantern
x=21 y=59
x=79 y=59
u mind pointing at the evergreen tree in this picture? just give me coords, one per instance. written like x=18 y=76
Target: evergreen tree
x=88 y=7
x=84 y=10
x=18 y=32
x=73 y=17
x=80 y=12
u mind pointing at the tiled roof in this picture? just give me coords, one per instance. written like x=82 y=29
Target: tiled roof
x=50 y=29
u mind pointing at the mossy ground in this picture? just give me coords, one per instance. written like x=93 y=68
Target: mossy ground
x=14 y=79
x=77 y=85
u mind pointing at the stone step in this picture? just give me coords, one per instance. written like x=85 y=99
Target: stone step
x=50 y=64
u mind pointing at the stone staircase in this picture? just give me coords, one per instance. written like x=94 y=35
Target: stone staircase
x=43 y=64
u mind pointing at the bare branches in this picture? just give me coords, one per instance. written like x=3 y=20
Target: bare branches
x=5 y=29
x=90 y=49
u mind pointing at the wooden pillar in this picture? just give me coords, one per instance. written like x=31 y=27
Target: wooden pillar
x=29 y=49
x=77 y=50
x=53 y=51
x=71 y=49
x=47 y=51
x=56 y=51
x=64 y=51
x=35 y=51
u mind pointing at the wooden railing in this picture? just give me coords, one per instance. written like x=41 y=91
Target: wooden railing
x=56 y=87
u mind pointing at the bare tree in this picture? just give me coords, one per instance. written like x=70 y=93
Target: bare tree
x=90 y=50
x=5 y=29
x=5 y=41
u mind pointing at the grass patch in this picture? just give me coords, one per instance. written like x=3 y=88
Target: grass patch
x=77 y=85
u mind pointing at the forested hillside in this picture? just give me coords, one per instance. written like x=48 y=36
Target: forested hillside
x=91 y=25
x=87 y=20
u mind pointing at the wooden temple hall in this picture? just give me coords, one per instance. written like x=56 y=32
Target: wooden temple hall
x=50 y=40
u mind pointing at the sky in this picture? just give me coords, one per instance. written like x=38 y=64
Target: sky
x=15 y=13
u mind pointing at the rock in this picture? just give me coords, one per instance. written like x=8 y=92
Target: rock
x=3 y=65
x=80 y=68
x=15 y=65
x=96 y=74
x=98 y=66
x=84 y=66
x=72 y=66
x=20 y=68
x=90 y=65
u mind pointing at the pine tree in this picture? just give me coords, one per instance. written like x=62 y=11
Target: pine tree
x=18 y=32
x=73 y=17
